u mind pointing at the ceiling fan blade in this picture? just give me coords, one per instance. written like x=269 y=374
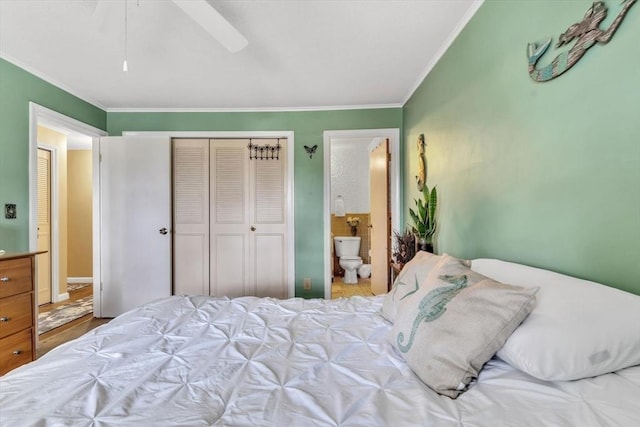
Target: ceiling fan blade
x=214 y=23
x=100 y=15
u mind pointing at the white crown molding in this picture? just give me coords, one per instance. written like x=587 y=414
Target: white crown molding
x=475 y=5
x=51 y=81
x=252 y=110
x=97 y=104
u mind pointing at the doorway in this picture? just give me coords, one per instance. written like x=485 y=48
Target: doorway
x=370 y=139
x=65 y=139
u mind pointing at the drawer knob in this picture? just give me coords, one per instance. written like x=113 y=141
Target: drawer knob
x=4 y=319
x=4 y=279
x=17 y=352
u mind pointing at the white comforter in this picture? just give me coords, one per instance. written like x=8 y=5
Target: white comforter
x=198 y=361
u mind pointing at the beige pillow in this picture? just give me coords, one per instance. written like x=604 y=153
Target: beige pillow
x=455 y=322
x=412 y=274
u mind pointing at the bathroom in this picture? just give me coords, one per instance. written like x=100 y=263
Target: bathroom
x=350 y=201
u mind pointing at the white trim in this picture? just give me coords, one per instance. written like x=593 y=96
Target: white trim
x=291 y=252
x=62 y=297
x=54 y=231
x=475 y=5
x=253 y=109
x=79 y=279
x=39 y=115
x=97 y=269
x=49 y=80
x=394 y=178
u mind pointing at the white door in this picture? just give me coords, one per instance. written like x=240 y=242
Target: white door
x=380 y=217
x=135 y=219
x=44 y=227
x=268 y=223
x=191 y=216
x=249 y=221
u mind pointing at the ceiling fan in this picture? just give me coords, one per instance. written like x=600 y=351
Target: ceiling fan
x=214 y=23
x=200 y=11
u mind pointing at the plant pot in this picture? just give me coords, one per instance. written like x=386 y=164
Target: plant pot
x=422 y=244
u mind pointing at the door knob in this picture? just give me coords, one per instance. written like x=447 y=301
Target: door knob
x=163 y=231
x=253 y=228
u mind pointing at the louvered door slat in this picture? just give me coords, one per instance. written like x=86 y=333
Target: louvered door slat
x=44 y=190
x=229 y=185
x=190 y=180
x=269 y=195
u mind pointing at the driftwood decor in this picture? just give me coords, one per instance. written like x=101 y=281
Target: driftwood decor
x=586 y=33
x=421 y=178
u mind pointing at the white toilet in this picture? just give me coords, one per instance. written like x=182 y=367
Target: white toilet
x=347 y=249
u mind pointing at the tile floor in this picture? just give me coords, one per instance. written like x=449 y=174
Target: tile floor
x=340 y=289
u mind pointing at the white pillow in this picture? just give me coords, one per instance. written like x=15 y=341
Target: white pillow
x=578 y=328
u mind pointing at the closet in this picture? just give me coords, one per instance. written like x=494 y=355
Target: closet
x=230 y=217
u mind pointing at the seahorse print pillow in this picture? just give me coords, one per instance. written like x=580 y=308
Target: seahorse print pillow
x=408 y=281
x=455 y=322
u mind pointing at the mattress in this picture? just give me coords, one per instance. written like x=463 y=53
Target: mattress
x=202 y=361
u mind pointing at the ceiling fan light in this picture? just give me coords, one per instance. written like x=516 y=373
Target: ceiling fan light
x=125 y=68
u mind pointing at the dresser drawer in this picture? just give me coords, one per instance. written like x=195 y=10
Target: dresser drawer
x=16 y=313
x=15 y=276
x=15 y=350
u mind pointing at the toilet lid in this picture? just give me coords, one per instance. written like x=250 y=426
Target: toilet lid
x=352 y=258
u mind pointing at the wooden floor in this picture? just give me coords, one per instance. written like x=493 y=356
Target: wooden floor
x=72 y=330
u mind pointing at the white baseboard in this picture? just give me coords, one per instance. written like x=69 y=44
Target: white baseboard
x=79 y=279
x=62 y=297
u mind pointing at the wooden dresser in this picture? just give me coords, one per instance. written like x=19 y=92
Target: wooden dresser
x=17 y=310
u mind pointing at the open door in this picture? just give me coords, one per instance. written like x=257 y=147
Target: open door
x=135 y=222
x=380 y=217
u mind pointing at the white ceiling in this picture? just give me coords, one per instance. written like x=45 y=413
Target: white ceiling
x=302 y=54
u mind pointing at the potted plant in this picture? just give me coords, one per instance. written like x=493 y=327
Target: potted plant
x=404 y=247
x=353 y=222
x=424 y=218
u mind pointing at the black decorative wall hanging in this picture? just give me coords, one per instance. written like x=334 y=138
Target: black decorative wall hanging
x=311 y=150
x=264 y=152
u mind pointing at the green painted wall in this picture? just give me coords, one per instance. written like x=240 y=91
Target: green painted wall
x=546 y=174
x=308 y=173
x=17 y=89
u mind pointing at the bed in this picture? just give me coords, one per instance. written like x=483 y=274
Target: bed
x=204 y=361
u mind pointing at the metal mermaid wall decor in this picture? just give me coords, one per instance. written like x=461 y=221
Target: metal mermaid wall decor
x=585 y=33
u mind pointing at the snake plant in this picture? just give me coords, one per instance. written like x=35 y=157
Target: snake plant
x=424 y=217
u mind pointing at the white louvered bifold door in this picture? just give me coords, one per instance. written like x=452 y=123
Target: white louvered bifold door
x=229 y=216
x=44 y=227
x=191 y=216
x=248 y=220
x=267 y=254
